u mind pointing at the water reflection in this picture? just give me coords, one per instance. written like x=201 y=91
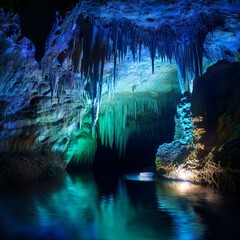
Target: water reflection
x=187 y=223
x=107 y=207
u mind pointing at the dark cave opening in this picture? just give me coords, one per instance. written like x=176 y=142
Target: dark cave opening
x=139 y=156
x=140 y=150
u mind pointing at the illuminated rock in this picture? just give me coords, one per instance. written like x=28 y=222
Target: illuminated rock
x=213 y=156
x=169 y=153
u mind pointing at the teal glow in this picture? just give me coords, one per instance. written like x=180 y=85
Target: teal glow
x=127 y=114
x=83 y=144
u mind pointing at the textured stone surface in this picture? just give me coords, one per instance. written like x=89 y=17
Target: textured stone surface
x=219 y=106
x=213 y=156
x=176 y=150
x=32 y=117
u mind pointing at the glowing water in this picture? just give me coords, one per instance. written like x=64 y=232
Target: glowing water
x=112 y=208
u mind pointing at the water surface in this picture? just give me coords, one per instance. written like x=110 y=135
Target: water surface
x=106 y=207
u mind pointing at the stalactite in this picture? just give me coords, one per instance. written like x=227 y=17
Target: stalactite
x=92 y=41
x=118 y=118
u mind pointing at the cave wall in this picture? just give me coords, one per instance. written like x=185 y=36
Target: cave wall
x=58 y=107
x=212 y=155
x=34 y=121
x=216 y=98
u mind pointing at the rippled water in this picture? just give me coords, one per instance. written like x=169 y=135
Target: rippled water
x=111 y=207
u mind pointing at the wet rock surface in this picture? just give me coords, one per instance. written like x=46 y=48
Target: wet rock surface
x=216 y=97
x=177 y=150
x=213 y=154
x=33 y=118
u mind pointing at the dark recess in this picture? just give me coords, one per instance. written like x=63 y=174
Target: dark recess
x=37 y=18
x=140 y=151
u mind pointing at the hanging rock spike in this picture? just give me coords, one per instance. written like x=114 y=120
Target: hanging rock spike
x=94 y=41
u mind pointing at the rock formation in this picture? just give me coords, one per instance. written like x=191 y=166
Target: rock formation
x=212 y=155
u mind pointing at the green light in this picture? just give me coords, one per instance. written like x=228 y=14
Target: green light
x=127 y=114
x=83 y=144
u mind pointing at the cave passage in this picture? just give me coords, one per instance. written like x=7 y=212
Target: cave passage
x=105 y=83
x=139 y=156
x=140 y=149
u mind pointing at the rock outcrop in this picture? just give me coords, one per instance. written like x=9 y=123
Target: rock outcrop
x=213 y=154
x=34 y=121
x=216 y=98
x=176 y=150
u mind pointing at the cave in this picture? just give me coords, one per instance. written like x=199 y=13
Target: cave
x=127 y=111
